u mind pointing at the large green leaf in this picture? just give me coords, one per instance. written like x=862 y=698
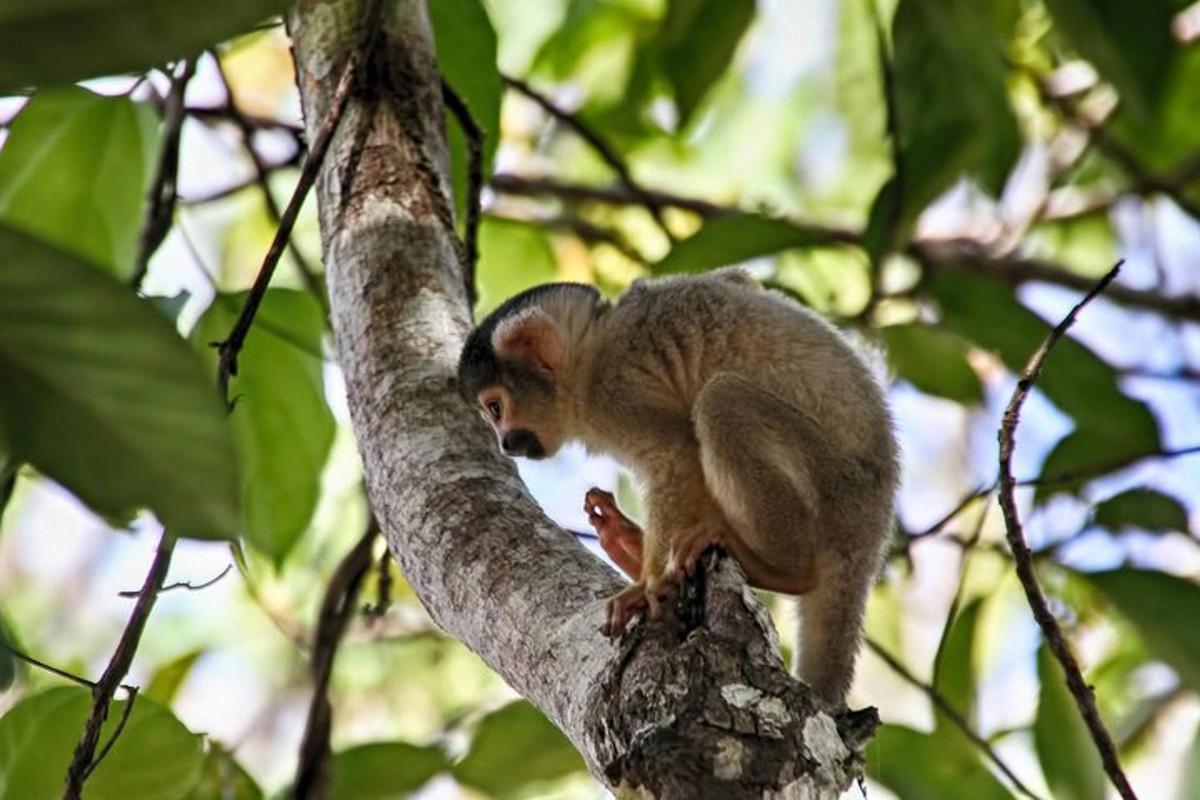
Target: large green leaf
x=384 y=770
x=1128 y=42
x=1189 y=782
x=223 y=778
x=1074 y=378
x=1064 y=747
x=74 y=171
x=512 y=257
x=466 y=53
x=280 y=421
x=60 y=41
x=514 y=747
x=1146 y=509
x=102 y=395
x=734 y=239
x=952 y=107
x=921 y=766
x=1164 y=609
x=698 y=39
x=155 y=758
x=933 y=360
x=1168 y=139
x=954 y=676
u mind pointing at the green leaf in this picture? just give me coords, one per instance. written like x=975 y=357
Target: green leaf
x=951 y=100
x=155 y=757
x=281 y=424
x=513 y=256
x=466 y=54
x=921 y=766
x=1081 y=384
x=1166 y=140
x=102 y=395
x=933 y=360
x=954 y=673
x=1146 y=509
x=736 y=238
x=8 y=662
x=74 y=171
x=1189 y=782
x=698 y=39
x=1129 y=43
x=514 y=747
x=1164 y=609
x=166 y=680
x=223 y=778
x=1064 y=747
x=384 y=770
x=60 y=41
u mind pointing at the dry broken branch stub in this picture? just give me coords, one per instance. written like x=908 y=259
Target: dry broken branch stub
x=677 y=710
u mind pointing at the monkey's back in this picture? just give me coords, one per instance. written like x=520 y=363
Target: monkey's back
x=676 y=333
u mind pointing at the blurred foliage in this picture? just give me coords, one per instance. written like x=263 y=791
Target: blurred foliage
x=824 y=150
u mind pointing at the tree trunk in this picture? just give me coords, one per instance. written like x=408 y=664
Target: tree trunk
x=696 y=705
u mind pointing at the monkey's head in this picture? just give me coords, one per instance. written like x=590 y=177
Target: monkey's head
x=512 y=367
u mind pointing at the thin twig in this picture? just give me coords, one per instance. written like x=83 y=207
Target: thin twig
x=118 y=666
x=262 y=175
x=42 y=665
x=162 y=195
x=240 y=186
x=337 y=608
x=131 y=697
x=587 y=231
x=607 y=154
x=949 y=516
x=191 y=587
x=1023 y=559
x=383 y=588
x=1105 y=467
x=951 y=714
x=475 y=140
x=211 y=114
x=232 y=345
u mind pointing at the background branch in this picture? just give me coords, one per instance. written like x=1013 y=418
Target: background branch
x=1023 y=558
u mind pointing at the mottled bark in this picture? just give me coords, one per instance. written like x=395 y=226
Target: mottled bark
x=696 y=705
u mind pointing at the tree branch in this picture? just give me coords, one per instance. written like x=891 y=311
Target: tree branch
x=312 y=768
x=696 y=704
x=607 y=154
x=262 y=175
x=351 y=72
x=82 y=762
x=474 y=136
x=162 y=195
x=1023 y=558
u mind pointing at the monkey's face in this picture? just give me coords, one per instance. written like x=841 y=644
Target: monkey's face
x=526 y=422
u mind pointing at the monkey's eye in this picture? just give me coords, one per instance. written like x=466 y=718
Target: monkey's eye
x=493 y=408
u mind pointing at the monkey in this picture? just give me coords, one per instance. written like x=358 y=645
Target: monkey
x=752 y=424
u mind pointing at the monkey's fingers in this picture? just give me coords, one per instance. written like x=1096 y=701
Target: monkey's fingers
x=697 y=548
x=622 y=607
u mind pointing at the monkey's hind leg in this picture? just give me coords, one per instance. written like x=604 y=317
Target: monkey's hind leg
x=755 y=457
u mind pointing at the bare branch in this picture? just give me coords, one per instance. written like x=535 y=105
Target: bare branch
x=191 y=587
x=62 y=673
x=1023 y=559
x=607 y=154
x=262 y=175
x=162 y=195
x=474 y=136
x=351 y=73
x=312 y=773
x=952 y=714
x=102 y=694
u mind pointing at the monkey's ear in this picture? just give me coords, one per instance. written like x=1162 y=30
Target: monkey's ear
x=531 y=337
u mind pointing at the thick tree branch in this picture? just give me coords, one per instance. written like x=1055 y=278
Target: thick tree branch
x=690 y=706
x=1023 y=559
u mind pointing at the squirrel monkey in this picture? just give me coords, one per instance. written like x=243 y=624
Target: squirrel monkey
x=750 y=421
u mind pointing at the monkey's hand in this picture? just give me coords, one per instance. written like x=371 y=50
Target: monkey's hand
x=619 y=536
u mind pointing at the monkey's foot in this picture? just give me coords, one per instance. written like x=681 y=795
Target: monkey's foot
x=690 y=555
x=631 y=601
x=619 y=536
